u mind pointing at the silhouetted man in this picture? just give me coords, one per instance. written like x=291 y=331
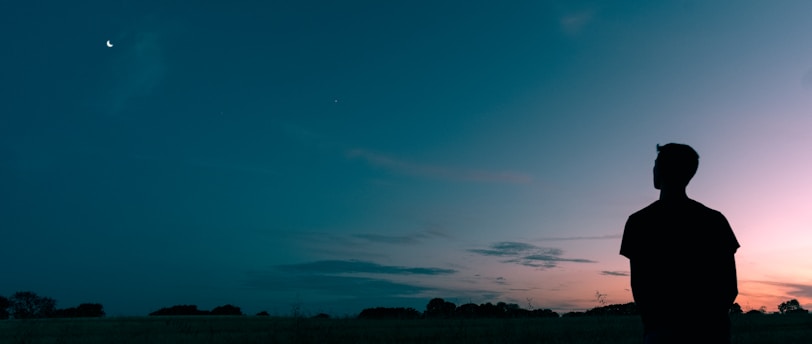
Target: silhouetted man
x=682 y=261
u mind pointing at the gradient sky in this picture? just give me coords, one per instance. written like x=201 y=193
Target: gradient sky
x=339 y=155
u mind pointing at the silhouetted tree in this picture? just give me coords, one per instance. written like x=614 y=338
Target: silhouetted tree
x=543 y=313
x=321 y=316
x=226 y=310
x=468 y=310
x=179 y=310
x=489 y=310
x=4 y=305
x=502 y=308
x=263 y=314
x=91 y=310
x=754 y=312
x=512 y=310
x=736 y=309
x=85 y=310
x=615 y=309
x=389 y=313
x=28 y=305
x=791 y=307
x=438 y=307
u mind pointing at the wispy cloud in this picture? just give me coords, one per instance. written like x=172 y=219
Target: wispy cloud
x=598 y=237
x=366 y=245
x=357 y=266
x=390 y=239
x=614 y=273
x=794 y=289
x=573 y=23
x=509 y=248
x=527 y=254
x=436 y=171
x=554 y=258
x=501 y=280
x=341 y=279
x=350 y=293
x=345 y=286
x=407 y=239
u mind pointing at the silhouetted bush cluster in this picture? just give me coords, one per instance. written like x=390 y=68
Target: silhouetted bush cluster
x=192 y=310
x=736 y=309
x=180 y=310
x=791 y=307
x=389 y=313
x=439 y=308
x=573 y=314
x=4 y=305
x=500 y=310
x=226 y=310
x=624 y=309
x=28 y=305
x=85 y=310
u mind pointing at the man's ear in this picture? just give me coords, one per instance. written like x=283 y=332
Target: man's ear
x=656 y=178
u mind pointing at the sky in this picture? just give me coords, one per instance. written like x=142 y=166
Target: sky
x=326 y=156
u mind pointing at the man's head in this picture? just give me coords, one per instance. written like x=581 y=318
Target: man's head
x=676 y=164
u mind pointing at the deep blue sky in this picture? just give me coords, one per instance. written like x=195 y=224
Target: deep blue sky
x=344 y=155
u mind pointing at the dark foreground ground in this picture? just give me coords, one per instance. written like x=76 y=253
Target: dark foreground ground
x=608 y=330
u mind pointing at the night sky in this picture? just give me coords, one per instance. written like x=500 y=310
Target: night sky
x=339 y=155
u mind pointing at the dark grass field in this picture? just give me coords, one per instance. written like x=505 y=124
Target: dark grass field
x=247 y=329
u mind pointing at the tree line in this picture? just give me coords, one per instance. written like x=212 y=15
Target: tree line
x=439 y=308
x=192 y=310
x=28 y=305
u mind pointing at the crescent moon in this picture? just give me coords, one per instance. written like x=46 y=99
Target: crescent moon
x=109 y=45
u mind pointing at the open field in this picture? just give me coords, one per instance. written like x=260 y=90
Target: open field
x=248 y=329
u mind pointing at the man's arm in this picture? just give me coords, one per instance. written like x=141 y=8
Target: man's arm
x=628 y=243
x=731 y=280
x=728 y=261
x=629 y=247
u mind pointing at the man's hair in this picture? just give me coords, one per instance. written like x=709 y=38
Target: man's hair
x=677 y=162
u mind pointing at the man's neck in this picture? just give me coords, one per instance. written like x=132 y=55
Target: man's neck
x=673 y=194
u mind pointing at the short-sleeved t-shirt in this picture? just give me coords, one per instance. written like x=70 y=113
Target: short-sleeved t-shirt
x=681 y=252
x=684 y=227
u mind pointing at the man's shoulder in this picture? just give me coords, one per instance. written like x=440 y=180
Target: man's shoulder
x=649 y=209
x=699 y=207
x=687 y=204
x=687 y=207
